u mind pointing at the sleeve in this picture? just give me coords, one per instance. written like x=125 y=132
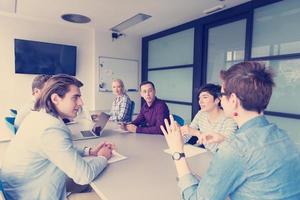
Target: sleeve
x=195 y=123
x=124 y=109
x=229 y=127
x=226 y=173
x=60 y=152
x=112 y=111
x=161 y=114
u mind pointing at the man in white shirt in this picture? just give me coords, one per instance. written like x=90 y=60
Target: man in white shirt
x=41 y=156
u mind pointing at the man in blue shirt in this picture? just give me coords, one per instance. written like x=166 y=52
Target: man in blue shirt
x=259 y=161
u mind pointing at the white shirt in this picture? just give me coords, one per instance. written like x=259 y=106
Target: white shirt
x=40 y=156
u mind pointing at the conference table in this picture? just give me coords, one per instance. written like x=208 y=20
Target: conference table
x=148 y=173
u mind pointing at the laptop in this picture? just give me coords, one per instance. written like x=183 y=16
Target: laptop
x=86 y=129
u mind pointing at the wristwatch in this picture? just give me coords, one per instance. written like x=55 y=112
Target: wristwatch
x=177 y=155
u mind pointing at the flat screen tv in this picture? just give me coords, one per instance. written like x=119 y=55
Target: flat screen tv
x=32 y=57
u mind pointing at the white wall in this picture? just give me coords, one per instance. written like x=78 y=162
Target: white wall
x=124 y=47
x=15 y=89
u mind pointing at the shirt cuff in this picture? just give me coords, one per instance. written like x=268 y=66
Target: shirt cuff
x=187 y=181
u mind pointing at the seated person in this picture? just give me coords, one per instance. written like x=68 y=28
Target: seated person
x=37 y=85
x=152 y=113
x=259 y=161
x=121 y=105
x=41 y=156
x=211 y=117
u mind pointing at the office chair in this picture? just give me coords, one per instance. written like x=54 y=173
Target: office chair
x=13 y=112
x=2 y=197
x=132 y=109
x=178 y=119
x=10 y=122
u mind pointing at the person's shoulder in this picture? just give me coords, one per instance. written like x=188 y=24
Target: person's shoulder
x=160 y=102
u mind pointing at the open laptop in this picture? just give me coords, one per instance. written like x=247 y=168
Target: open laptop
x=86 y=129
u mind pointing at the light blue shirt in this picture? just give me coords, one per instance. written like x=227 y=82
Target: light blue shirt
x=258 y=162
x=39 y=158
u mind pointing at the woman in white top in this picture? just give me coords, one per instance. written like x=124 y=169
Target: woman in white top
x=41 y=156
x=210 y=119
x=121 y=105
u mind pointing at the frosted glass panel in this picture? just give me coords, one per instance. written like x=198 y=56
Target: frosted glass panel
x=173 y=84
x=276 y=29
x=285 y=97
x=172 y=50
x=183 y=111
x=226 y=46
x=292 y=126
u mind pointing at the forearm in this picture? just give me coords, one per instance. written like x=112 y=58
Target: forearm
x=182 y=167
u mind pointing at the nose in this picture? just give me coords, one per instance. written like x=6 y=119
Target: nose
x=79 y=101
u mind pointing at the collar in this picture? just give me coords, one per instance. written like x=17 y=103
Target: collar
x=153 y=103
x=256 y=121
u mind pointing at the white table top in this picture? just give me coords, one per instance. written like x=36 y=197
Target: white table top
x=148 y=173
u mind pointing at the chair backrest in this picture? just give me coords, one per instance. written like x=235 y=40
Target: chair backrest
x=13 y=112
x=178 y=119
x=132 y=105
x=1 y=192
x=10 y=122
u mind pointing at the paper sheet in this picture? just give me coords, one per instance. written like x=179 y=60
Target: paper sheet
x=115 y=157
x=189 y=150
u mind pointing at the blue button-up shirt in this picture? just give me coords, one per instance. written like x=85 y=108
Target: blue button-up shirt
x=259 y=162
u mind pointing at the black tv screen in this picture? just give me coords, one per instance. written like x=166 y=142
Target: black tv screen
x=32 y=57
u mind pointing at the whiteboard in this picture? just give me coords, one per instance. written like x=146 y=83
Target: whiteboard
x=117 y=68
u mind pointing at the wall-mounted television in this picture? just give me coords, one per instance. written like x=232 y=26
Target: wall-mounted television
x=32 y=57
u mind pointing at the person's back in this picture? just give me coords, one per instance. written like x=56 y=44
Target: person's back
x=270 y=159
x=26 y=164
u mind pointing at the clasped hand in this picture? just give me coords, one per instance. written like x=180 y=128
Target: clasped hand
x=103 y=149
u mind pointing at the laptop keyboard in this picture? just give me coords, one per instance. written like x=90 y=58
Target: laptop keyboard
x=87 y=133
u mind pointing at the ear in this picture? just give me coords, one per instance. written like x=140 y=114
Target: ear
x=35 y=91
x=234 y=100
x=217 y=101
x=55 y=98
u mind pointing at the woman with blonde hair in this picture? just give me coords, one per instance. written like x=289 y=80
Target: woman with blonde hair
x=121 y=105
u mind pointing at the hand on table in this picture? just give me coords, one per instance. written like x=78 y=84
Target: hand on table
x=103 y=149
x=131 y=128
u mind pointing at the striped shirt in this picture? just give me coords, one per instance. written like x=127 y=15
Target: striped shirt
x=120 y=110
x=222 y=125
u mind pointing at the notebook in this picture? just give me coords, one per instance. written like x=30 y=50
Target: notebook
x=86 y=129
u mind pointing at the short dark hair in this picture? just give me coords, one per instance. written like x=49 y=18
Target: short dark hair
x=147 y=82
x=39 y=81
x=212 y=89
x=59 y=84
x=252 y=83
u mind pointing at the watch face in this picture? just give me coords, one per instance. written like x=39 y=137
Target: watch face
x=177 y=155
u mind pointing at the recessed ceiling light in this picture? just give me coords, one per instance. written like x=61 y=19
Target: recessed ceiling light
x=76 y=18
x=130 y=22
